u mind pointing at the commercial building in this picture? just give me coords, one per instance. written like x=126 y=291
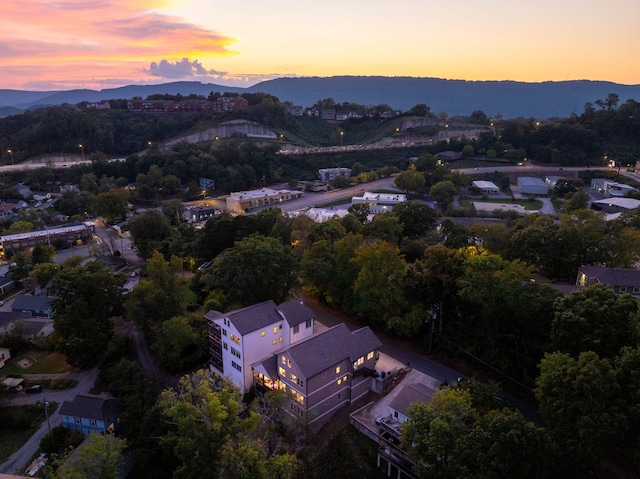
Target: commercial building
x=487 y=187
x=243 y=201
x=532 y=186
x=379 y=202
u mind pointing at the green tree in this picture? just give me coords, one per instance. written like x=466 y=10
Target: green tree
x=410 y=180
x=100 y=457
x=42 y=254
x=384 y=227
x=207 y=434
x=182 y=343
x=148 y=231
x=416 y=218
x=44 y=272
x=433 y=430
x=20 y=268
x=256 y=269
x=595 y=319
x=85 y=299
x=112 y=205
x=443 y=192
x=578 y=399
x=378 y=288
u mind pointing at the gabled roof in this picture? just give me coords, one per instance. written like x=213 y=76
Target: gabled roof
x=415 y=392
x=31 y=302
x=611 y=276
x=330 y=347
x=295 y=312
x=251 y=318
x=90 y=407
x=261 y=315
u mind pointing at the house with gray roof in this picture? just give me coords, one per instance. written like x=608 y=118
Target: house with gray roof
x=322 y=373
x=239 y=338
x=622 y=280
x=32 y=305
x=89 y=414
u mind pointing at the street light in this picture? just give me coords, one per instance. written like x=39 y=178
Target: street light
x=46 y=414
x=11 y=153
x=81 y=149
x=341 y=135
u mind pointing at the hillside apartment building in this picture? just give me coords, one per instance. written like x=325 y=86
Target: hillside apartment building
x=274 y=347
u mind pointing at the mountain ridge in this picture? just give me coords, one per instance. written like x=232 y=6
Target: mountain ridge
x=455 y=97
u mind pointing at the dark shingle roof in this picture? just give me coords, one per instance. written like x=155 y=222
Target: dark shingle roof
x=261 y=315
x=612 y=276
x=409 y=394
x=31 y=302
x=89 y=406
x=295 y=312
x=330 y=347
x=250 y=318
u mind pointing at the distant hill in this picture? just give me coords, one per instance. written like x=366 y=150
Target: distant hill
x=455 y=97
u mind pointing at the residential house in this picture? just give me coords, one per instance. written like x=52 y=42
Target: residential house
x=622 y=280
x=23 y=190
x=390 y=447
x=32 y=327
x=322 y=373
x=5 y=355
x=88 y=414
x=245 y=336
x=32 y=305
x=201 y=213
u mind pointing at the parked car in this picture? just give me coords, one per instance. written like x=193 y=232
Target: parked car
x=36 y=388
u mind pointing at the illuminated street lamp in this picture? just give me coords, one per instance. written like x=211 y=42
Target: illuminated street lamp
x=11 y=153
x=341 y=135
x=81 y=149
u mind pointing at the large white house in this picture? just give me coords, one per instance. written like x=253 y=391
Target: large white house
x=246 y=336
x=379 y=202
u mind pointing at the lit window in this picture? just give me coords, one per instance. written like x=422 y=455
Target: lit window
x=339 y=381
x=275 y=330
x=338 y=370
x=275 y=341
x=282 y=372
x=262 y=334
x=344 y=378
x=370 y=355
x=280 y=339
x=284 y=360
x=289 y=363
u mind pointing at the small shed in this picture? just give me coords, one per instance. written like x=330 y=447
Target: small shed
x=532 y=186
x=486 y=187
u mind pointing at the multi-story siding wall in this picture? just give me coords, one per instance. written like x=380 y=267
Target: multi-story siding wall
x=240 y=338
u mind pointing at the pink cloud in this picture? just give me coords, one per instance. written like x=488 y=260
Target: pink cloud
x=92 y=41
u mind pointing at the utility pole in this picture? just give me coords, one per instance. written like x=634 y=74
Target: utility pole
x=46 y=414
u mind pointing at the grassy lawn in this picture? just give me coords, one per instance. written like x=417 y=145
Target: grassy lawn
x=41 y=362
x=17 y=425
x=526 y=204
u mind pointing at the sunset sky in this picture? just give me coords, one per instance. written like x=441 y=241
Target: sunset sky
x=67 y=44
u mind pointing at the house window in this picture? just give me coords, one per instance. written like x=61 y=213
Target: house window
x=308 y=323
x=370 y=355
x=224 y=345
x=282 y=372
x=337 y=369
x=275 y=330
x=236 y=366
x=224 y=332
x=93 y=422
x=339 y=396
x=289 y=363
x=339 y=382
x=284 y=360
x=78 y=420
x=235 y=352
x=358 y=362
x=262 y=334
x=234 y=338
x=296 y=329
x=636 y=290
x=623 y=289
x=275 y=341
x=280 y=339
x=395 y=414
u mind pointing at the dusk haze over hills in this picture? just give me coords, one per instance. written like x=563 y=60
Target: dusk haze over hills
x=96 y=45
